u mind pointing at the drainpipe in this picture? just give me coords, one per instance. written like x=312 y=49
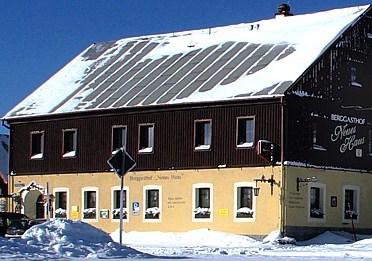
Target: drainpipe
x=283 y=181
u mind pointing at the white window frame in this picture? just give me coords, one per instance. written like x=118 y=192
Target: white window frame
x=194 y=188
x=73 y=153
x=83 y=190
x=124 y=136
x=322 y=202
x=145 y=189
x=239 y=185
x=356 y=203
x=204 y=146
x=245 y=144
x=151 y=138
x=40 y=155
x=62 y=189
x=117 y=188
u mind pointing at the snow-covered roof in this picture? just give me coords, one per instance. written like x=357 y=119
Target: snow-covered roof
x=260 y=59
x=4 y=154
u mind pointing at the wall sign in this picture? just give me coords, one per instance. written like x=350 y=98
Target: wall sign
x=333 y=201
x=347 y=135
x=135 y=208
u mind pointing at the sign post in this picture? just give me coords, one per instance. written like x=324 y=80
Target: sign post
x=121 y=162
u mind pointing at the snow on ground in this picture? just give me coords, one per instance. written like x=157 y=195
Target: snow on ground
x=75 y=240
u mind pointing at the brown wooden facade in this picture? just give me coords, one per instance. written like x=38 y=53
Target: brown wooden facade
x=333 y=94
x=173 y=138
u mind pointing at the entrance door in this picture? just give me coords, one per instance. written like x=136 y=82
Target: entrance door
x=40 y=207
x=34 y=204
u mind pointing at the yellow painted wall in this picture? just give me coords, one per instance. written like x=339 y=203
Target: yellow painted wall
x=297 y=202
x=177 y=189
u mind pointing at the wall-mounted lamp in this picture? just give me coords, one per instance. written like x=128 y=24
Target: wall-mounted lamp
x=265 y=180
x=305 y=180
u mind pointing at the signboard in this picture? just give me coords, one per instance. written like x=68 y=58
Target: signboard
x=121 y=162
x=135 y=208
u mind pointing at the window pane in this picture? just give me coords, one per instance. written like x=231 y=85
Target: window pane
x=69 y=141
x=245 y=197
x=245 y=131
x=116 y=204
x=203 y=133
x=315 y=198
x=152 y=198
x=90 y=204
x=117 y=198
x=118 y=137
x=37 y=143
x=204 y=198
x=146 y=136
x=60 y=204
x=350 y=204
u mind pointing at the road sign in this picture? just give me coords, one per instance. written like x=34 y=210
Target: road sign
x=121 y=162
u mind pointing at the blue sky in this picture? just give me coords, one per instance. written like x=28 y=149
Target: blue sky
x=37 y=38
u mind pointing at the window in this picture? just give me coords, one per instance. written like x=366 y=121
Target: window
x=69 y=143
x=202 y=198
x=316 y=202
x=119 y=137
x=37 y=145
x=146 y=138
x=203 y=134
x=90 y=203
x=351 y=203
x=152 y=197
x=116 y=203
x=354 y=77
x=60 y=202
x=315 y=137
x=244 y=201
x=245 y=132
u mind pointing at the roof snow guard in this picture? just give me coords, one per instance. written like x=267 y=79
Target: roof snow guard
x=242 y=61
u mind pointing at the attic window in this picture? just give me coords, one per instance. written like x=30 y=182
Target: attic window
x=354 y=77
x=37 y=145
x=69 y=143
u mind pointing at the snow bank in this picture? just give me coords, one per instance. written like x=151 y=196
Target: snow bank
x=275 y=237
x=194 y=238
x=68 y=238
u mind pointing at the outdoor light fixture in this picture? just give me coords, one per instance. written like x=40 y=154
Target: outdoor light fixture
x=256 y=191
x=305 y=180
x=265 y=180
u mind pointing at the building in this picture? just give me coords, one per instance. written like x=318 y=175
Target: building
x=4 y=162
x=247 y=129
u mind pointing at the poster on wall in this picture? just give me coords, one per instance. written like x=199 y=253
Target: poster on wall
x=135 y=208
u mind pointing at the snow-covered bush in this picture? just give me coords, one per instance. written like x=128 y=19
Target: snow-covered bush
x=60 y=213
x=244 y=212
x=116 y=213
x=89 y=213
x=152 y=213
x=202 y=212
x=316 y=213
